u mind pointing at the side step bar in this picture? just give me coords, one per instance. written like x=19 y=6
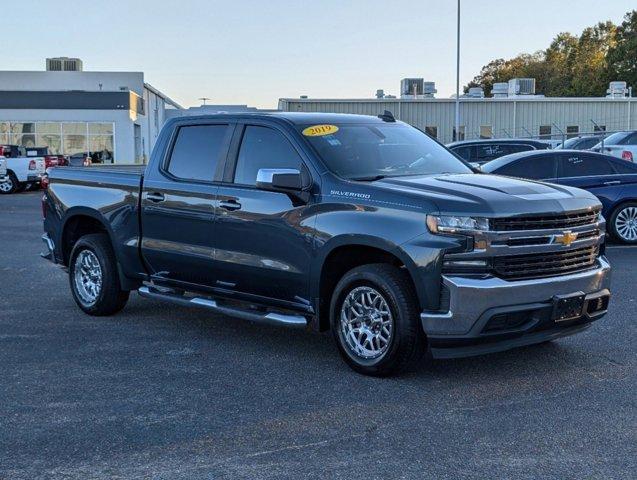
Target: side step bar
x=279 y=319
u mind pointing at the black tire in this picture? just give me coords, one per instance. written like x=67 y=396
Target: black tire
x=110 y=298
x=11 y=185
x=407 y=343
x=614 y=230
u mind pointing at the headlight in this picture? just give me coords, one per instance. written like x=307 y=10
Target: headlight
x=453 y=224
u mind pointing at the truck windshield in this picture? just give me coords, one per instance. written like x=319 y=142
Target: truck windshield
x=374 y=151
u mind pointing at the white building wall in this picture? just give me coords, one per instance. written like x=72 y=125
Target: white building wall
x=65 y=81
x=507 y=117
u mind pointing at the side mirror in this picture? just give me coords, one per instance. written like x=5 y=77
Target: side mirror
x=280 y=179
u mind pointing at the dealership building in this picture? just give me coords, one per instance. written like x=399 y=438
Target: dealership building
x=510 y=113
x=112 y=116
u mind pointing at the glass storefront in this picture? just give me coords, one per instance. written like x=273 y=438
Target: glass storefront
x=96 y=139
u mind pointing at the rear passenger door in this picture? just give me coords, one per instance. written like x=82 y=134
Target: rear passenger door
x=263 y=240
x=590 y=172
x=178 y=205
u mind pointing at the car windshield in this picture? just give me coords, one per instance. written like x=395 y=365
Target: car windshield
x=374 y=151
x=613 y=139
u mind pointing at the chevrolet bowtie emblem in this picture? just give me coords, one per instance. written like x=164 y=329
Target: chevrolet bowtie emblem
x=566 y=238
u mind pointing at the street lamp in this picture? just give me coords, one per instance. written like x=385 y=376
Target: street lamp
x=457 y=127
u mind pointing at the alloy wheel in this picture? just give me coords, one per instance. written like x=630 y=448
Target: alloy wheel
x=87 y=275
x=626 y=224
x=366 y=323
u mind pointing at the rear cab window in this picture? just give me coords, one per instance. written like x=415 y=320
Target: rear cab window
x=197 y=151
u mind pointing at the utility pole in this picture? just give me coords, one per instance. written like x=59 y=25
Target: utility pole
x=457 y=127
x=203 y=99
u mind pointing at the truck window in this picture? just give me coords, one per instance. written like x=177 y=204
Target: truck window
x=196 y=152
x=263 y=147
x=365 y=151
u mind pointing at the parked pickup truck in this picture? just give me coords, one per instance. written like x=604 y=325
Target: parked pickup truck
x=22 y=170
x=362 y=225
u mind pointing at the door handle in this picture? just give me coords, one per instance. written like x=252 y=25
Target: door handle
x=155 y=197
x=230 y=205
x=613 y=182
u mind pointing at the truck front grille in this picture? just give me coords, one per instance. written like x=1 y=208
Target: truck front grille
x=546 y=264
x=543 y=222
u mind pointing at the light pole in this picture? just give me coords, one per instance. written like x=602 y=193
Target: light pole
x=457 y=126
x=203 y=99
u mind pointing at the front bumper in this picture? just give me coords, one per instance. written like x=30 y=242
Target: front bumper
x=490 y=314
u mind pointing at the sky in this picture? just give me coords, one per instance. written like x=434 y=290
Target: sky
x=255 y=52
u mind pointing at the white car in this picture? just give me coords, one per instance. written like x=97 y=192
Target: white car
x=620 y=144
x=17 y=173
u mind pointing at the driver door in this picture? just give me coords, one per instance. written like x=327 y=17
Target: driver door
x=263 y=239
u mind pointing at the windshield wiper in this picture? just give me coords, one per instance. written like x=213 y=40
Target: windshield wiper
x=371 y=178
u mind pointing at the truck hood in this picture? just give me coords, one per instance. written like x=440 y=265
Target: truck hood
x=491 y=195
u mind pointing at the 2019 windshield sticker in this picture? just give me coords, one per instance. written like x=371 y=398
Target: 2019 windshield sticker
x=320 y=130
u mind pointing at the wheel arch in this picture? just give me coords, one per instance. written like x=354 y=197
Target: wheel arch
x=340 y=255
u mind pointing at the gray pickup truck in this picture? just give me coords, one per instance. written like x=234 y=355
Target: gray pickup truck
x=360 y=225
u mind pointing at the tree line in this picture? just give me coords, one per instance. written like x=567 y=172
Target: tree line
x=573 y=66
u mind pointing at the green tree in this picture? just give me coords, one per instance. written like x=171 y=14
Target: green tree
x=622 y=56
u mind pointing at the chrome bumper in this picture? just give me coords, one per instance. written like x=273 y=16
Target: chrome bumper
x=473 y=301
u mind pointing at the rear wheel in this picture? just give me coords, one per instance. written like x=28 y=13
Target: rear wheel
x=94 y=276
x=375 y=320
x=623 y=223
x=10 y=185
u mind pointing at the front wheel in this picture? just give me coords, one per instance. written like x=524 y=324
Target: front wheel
x=375 y=320
x=94 y=276
x=623 y=223
x=10 y=184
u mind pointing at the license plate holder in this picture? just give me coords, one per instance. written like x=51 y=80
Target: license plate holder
x=568 y=307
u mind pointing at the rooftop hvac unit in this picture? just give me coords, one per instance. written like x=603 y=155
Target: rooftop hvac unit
x=429 y=89
x=475 y=92
x=522 y=86
x=617 y=90
x=64 y=64
x=500 y=90
x=380 y=93
x=412 y=87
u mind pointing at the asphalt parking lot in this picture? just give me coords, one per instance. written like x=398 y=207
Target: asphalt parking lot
x=160 y=391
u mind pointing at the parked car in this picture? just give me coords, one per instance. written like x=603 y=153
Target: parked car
x=362 y=225
x=80 y=160
x=3 y=167
x=478 y=152
x=620 y=144
x=584 y=142
x=612 y=180
x=21 y=171
x=50 y=160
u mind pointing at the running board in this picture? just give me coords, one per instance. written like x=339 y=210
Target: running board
x=279 y=319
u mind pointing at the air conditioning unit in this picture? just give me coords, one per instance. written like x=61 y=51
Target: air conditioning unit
x=64 y=64
x=411 y=87
x=500 y=90
x=617 y=90
x=475 y=92
x=522 y=86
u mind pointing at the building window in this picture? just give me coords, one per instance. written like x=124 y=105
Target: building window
x=572 y=131
x=460 y=135
x=432 y=131
x=97 y=139
x=486 y=131
x=545 y=131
